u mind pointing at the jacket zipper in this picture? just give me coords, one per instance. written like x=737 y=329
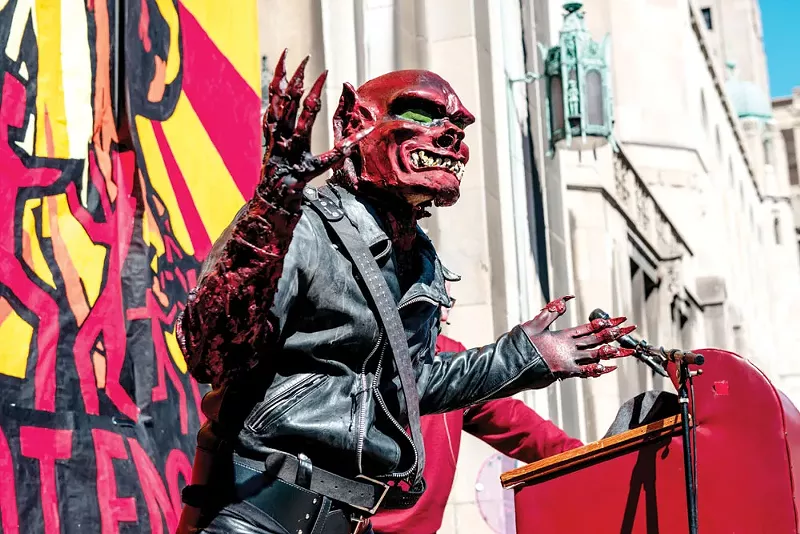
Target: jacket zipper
x=397 y=425
x=362 y=427
x=289 y=392
x=383 y=403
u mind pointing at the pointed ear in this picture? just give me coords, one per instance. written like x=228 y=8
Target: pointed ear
x=345 y=112
x=350 y=114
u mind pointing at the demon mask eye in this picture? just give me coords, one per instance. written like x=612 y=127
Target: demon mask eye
x=417 y=115
x=420 y=110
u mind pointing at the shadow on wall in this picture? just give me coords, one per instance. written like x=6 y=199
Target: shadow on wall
x=537 y=226
x=590 y=414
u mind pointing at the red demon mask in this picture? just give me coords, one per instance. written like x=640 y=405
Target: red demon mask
x=416 y=152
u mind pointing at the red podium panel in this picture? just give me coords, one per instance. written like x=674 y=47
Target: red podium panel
x=748 y=439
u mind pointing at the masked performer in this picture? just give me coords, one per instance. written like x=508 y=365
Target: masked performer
x=316 y=315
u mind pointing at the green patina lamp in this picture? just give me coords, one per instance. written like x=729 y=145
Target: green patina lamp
x=578 y=89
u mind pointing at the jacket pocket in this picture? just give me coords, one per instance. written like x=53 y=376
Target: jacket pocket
x=286 y=396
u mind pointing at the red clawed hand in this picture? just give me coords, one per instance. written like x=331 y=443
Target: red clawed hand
x=288 y=163
x=577 y=351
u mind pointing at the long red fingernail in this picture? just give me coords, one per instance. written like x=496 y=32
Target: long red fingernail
x=621 y=353
x=280 y=67
x=296 y=83
x=599 y=370
x=559 y=305
x=607 y=352
x=627 y=330
x=618 y=320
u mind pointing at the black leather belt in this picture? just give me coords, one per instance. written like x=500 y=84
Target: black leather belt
x=296 y=509
x=362 y=493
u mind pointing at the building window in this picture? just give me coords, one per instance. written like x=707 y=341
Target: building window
x=706 y=11
x=791 y=155
x=777 y=225
x=719 y=143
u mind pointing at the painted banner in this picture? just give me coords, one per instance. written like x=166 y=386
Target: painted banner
x=129 y=138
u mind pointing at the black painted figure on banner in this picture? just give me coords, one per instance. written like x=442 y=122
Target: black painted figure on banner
x=316 y=316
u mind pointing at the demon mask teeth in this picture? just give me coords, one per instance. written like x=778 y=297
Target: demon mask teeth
x=422 y=159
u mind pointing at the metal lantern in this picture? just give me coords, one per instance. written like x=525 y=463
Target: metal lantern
x=576 y=73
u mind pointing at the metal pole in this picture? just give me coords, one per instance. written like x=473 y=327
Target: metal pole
x=691 y=496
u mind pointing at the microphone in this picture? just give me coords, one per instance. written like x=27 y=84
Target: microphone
x=626 y=341
x=629 y=342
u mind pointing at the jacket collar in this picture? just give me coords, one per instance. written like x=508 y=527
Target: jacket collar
x=431 y=282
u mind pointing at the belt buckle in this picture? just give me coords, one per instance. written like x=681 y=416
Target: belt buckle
x=378 y=483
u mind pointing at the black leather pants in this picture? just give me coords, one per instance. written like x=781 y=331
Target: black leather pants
x=244 y=518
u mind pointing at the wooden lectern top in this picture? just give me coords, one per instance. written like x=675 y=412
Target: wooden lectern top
x=592 y=453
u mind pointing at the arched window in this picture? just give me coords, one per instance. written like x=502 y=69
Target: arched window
x=777 y=226
x=594 y=97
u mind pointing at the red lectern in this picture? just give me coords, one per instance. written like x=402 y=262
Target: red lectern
x=747 y=449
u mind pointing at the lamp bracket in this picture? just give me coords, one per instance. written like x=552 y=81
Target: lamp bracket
x=529 y=77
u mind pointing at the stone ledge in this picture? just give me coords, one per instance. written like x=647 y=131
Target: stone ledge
x=711 y=290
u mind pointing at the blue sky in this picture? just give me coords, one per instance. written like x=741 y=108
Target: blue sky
x=781 y=19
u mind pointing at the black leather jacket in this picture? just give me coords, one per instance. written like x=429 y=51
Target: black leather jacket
x=332 y=392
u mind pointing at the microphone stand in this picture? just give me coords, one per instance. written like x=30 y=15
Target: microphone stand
x=682 y=361
x=655 y=358
x=691 y=493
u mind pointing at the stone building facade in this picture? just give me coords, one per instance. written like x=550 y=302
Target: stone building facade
x=686 y=229
x=787 y=121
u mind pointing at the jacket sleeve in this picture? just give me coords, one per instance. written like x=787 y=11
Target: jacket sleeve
x=455 y=380
x=514 y=429
x=247 y=283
